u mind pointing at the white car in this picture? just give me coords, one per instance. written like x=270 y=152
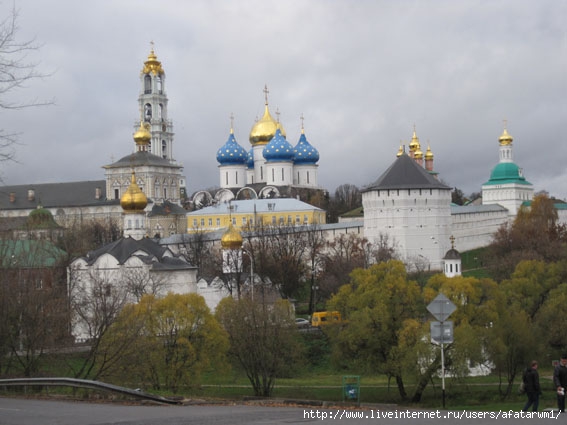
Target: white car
x=302 y=323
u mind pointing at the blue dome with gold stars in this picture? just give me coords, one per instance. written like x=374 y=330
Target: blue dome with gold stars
x=278 y=149
x=304 y=153
x=250 y=160
x=231 y=153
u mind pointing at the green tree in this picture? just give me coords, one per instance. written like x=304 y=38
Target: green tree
x=263 y=339
x=534 y=235
x=476 y=312
x=171 y=341
x=381 y=333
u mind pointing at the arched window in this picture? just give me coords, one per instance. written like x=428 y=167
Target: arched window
x=147 y=112
x=164 y=148
x=159 y=85
x=147 y=84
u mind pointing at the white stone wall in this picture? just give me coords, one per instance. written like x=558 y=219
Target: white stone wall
x=416 y=221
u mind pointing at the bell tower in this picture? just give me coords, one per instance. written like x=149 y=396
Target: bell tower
x=153 y=107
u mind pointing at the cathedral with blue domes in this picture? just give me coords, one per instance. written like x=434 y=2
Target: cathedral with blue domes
x=271 y=168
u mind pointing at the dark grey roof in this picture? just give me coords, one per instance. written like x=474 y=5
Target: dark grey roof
x=172 y=263
x=452 y=254
x=124 y=248
x=141 y=158
x=153 y=253
x=167 y=208
x=405 y=173
x=53 y=195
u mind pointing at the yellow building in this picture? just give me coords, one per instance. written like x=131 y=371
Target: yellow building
x=255 y=212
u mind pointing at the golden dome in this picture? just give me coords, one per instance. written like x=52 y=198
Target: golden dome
x=418 y=154
x=505 y=139
x=428 y=154
x=264 y=129
x=133 y=200
x=231 y=239
x=414 y=144
x=152 y=65
x=143 y=135
x=400 y=151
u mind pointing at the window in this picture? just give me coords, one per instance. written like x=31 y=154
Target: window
x=202 y=222
x=282 y=174
x=147 y=84
x=244 y=221
x=308 y=177
x=289 y=219
x=194 y=222
x=297 y=219
x=210 y=222
x=273 y=175
x=147 y=112
x=116 y=193
x=234 y=221
x=274 y=220
x=305 y=219
x=218 y=222
x=281 y=220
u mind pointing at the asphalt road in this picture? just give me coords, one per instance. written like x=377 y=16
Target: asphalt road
x=49 y=412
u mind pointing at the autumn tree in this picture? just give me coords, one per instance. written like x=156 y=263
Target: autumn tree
x=535 y=234
x=347 y=197
x=340 y=257
x=172 y=340
x=382 y=329
x=16 y=70
x=33 y=304
x=263 y=339
x=96 y=298
x=279 y=255
x=83 y=236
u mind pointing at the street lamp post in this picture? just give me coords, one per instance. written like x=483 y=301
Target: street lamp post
x=251 y=272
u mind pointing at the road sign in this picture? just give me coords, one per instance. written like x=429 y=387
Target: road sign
x=441 y=307
x=441 y=332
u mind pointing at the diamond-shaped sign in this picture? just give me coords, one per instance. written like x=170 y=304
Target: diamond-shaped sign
x=441 y=307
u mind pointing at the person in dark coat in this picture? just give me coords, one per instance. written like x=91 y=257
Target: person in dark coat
x=560 y=382
x=531 y=385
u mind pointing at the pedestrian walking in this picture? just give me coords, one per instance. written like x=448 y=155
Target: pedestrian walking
x=531 y=386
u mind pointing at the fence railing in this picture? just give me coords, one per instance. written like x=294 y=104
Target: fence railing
x=84 y=383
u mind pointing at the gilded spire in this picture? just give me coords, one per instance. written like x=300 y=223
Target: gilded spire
x=505 y=139
x=265 y=128
x=428 y=153
x=142 y=137
x=231 y=239
x=414 y=144
x=152 y=65
x=133 y=200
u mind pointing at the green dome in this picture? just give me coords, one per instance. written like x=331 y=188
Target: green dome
x=40 y=218
x=507 y=172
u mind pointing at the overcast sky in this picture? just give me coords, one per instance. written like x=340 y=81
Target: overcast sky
x=362 y=73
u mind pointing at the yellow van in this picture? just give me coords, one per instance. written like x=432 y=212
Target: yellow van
x=324 y=317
